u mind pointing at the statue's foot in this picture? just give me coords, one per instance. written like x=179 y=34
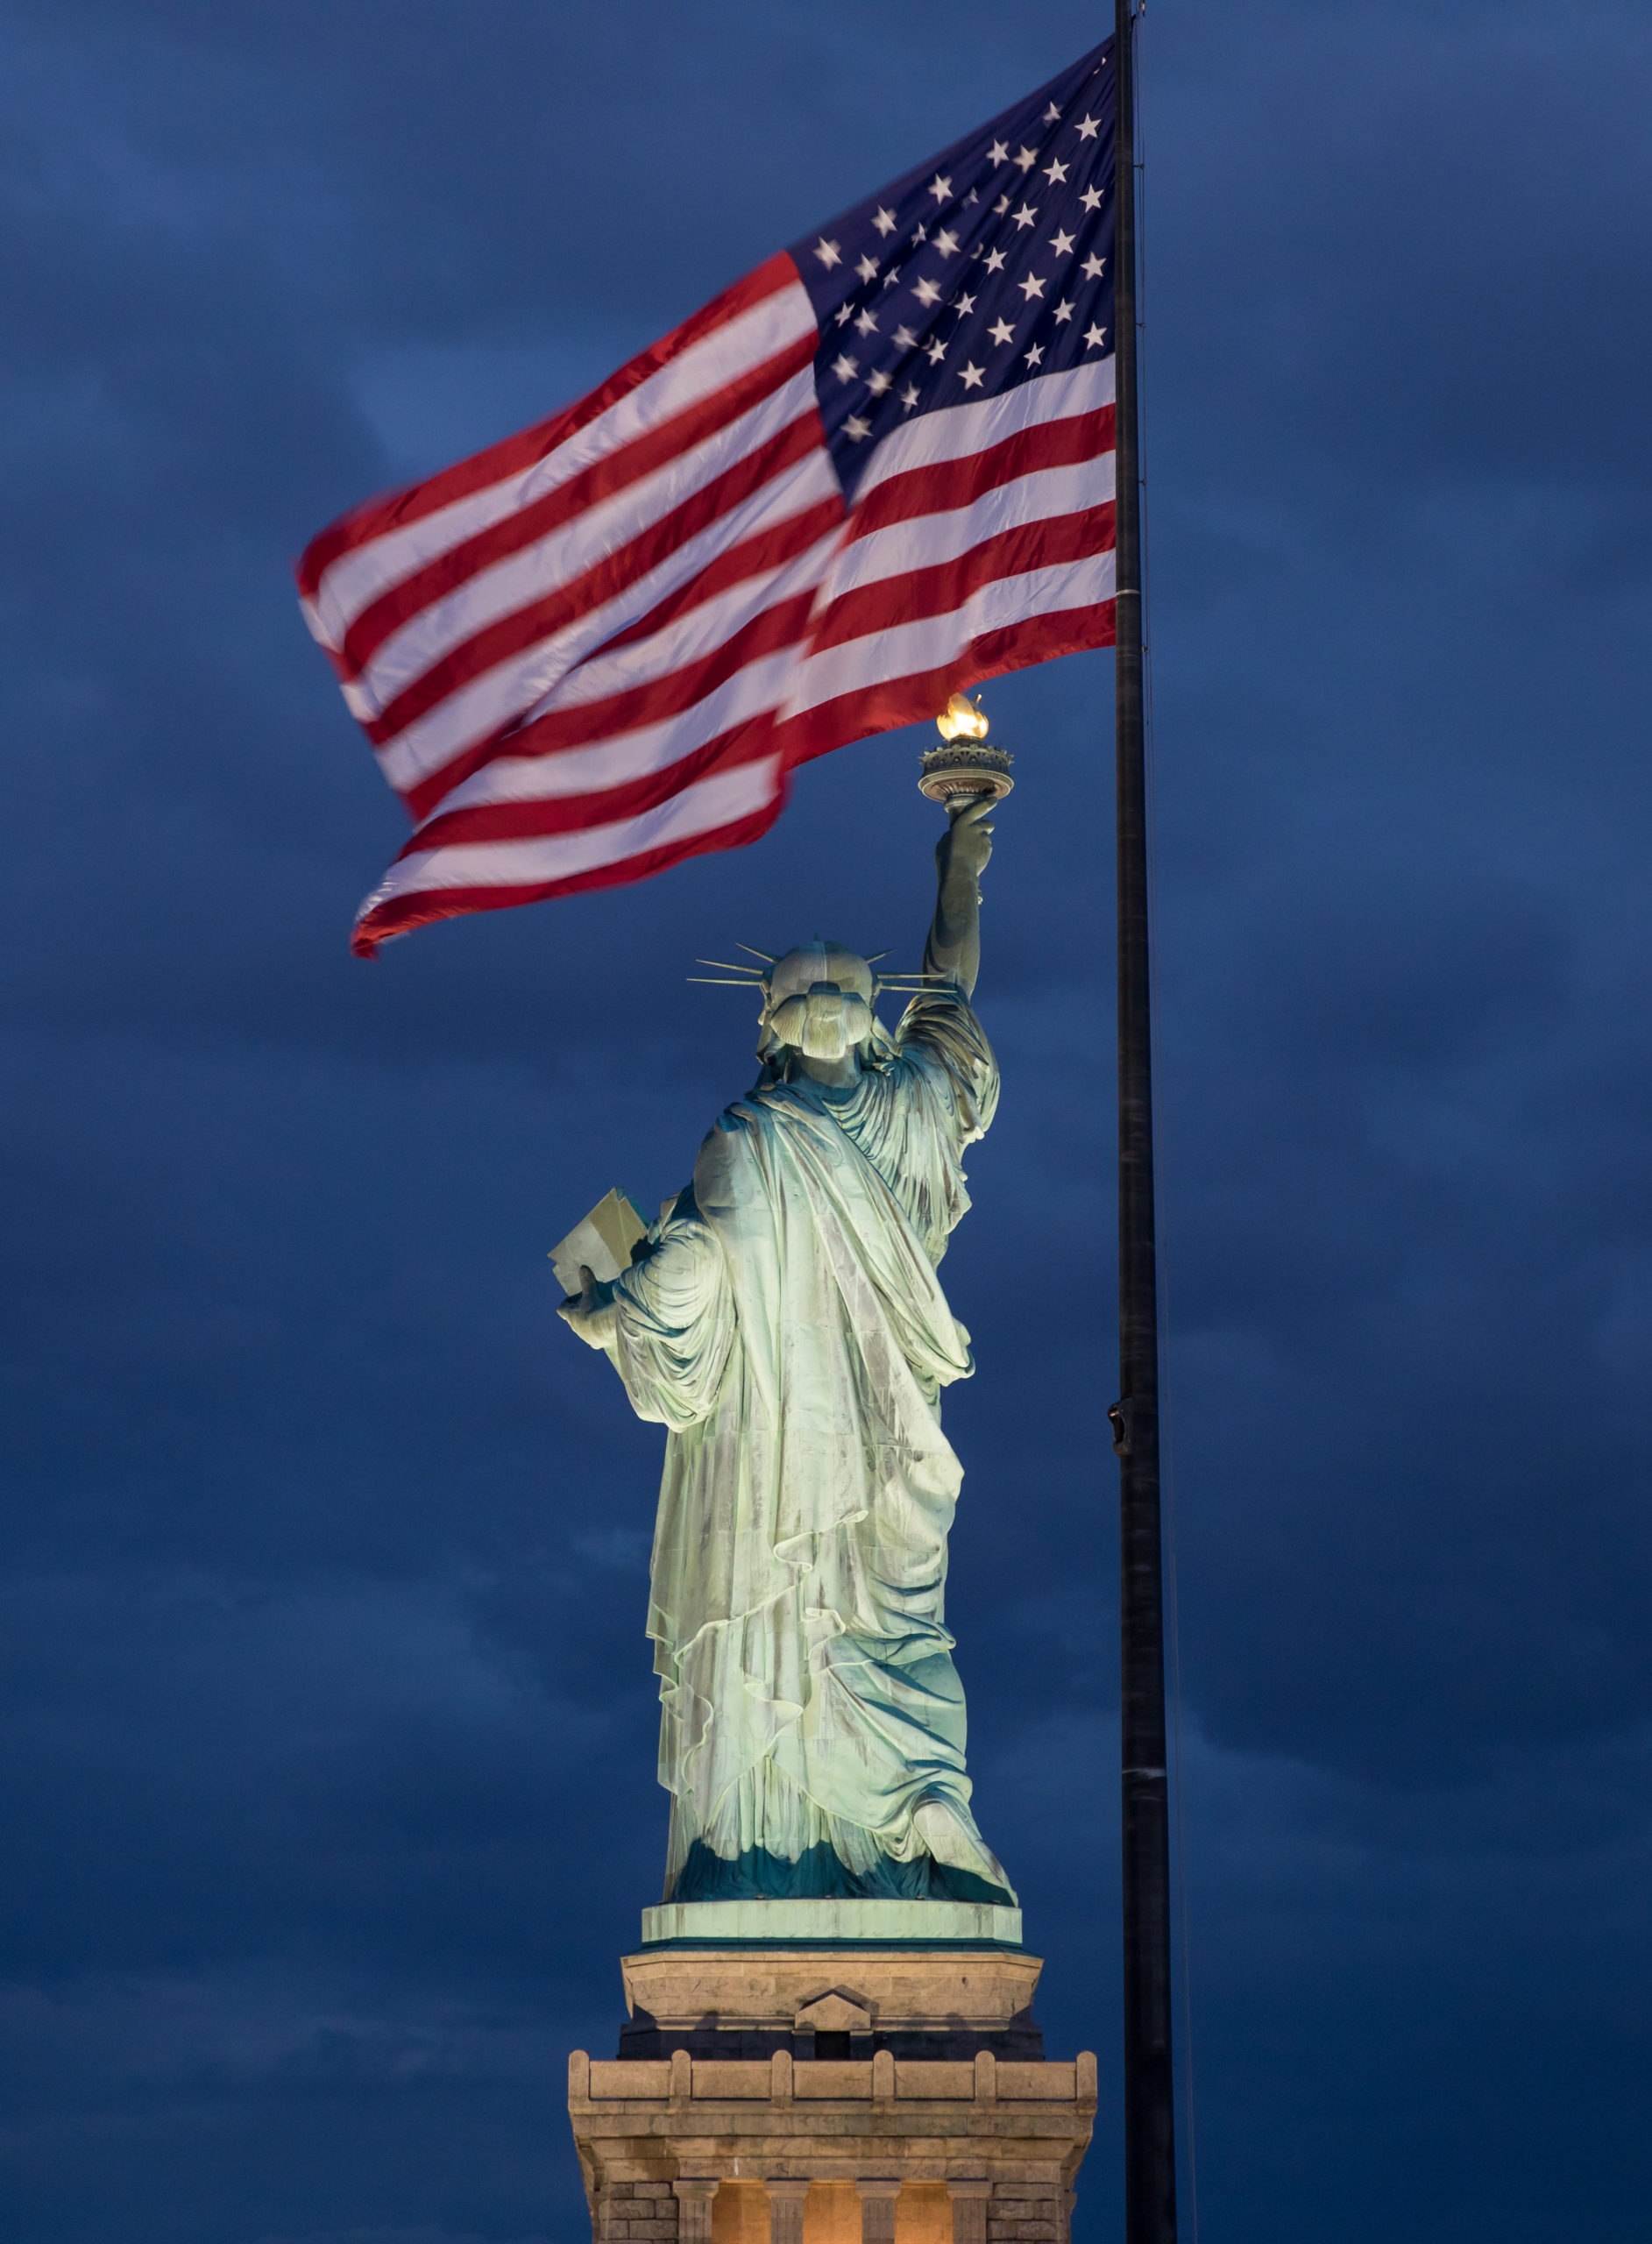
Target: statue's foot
x=949 y=1833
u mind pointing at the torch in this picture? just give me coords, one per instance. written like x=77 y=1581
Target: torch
x=965 y=768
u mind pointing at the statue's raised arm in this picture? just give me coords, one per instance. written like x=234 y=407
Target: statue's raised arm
x=953 y=948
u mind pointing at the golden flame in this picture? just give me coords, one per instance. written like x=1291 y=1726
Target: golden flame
x=963 y=719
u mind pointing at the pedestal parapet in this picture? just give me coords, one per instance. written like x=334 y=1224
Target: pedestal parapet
x=824 y=2001
x=876 y=2109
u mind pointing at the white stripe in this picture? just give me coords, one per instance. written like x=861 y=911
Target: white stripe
x=904 y=650
x=752 y=692
x=720 y=801
x=1047 y=495
x=599 y=533
x=357 y=578
x=690 y=637
x=527 y=685
x=960 y=430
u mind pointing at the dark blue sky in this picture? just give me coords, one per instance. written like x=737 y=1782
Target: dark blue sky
x=327 y=1720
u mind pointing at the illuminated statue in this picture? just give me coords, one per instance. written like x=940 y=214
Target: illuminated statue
x=784 y=1322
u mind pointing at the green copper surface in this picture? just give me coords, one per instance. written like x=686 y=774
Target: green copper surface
x=785 y=1324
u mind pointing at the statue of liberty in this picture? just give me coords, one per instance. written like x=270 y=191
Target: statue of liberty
x=784 y=1321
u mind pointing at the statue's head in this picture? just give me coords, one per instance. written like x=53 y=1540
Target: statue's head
x=818 y=1000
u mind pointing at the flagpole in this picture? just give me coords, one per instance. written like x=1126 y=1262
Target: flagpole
x=1150 y=2134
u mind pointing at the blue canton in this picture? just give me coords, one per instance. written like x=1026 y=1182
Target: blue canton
x=991 y=265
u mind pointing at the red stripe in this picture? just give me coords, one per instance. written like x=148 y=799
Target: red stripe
x=606 y=580
x=888 y=702
x=446 y=572
x=743 y=743
x=947 y=585
x=515 y=455
x=400 y=915
x=765 y=550
x=773 y=628
x=939 y=487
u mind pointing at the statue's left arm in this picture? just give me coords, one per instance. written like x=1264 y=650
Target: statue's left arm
x=666 y=1325
x=590 y=1312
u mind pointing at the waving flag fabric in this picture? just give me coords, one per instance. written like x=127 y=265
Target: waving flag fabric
x=877 y=469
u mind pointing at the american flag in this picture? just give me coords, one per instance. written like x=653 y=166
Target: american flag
x=877 y=469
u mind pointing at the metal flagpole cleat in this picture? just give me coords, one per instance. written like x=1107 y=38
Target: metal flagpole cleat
x=965 y=769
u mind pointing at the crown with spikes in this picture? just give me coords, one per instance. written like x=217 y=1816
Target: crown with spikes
x=795 y=1012
x=737 y=976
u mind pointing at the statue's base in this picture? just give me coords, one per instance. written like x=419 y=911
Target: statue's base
x=820 y=1924
x=840 y=2090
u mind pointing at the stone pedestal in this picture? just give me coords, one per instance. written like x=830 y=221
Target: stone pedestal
x=801 y=2093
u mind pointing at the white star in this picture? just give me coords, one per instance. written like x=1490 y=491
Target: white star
x=845 y=367
x=843 y=314
x=946 y=242
x=907 y=340
x=963 y=305
x=1001 y=331
x=1095 y=336
x=1026 y=158
x=1055 y=174
x=970 y=375
x=1087 y=129
x=999 y=153
x=868 y=268
x=1063 y=313
x=1052 y=116
x=1001 y=206
x=1093 y=198
x=1025 y=215
x=971 y=197
x=884 y=221
x=892 y=276
x=1060 y=243
x=878 y=382
x=1030 y=287
x=909 y=396
x=1094 y=267
x=922 y=235
x=1034 y=356
x=936 y=352
x=867 y=323
x=995 y=261
x=828 y=252
x=855 y=428
x=939 y=187
x=928 y=293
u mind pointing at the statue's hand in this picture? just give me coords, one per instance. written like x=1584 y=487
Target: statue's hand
x=964 y=849
x=590 y=1312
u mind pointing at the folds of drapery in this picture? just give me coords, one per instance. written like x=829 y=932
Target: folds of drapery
x=788 y=1329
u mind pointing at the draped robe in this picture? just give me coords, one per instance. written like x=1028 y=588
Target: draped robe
x=787 y=1326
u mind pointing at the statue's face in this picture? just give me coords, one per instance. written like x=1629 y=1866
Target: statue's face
x=820 y=1002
